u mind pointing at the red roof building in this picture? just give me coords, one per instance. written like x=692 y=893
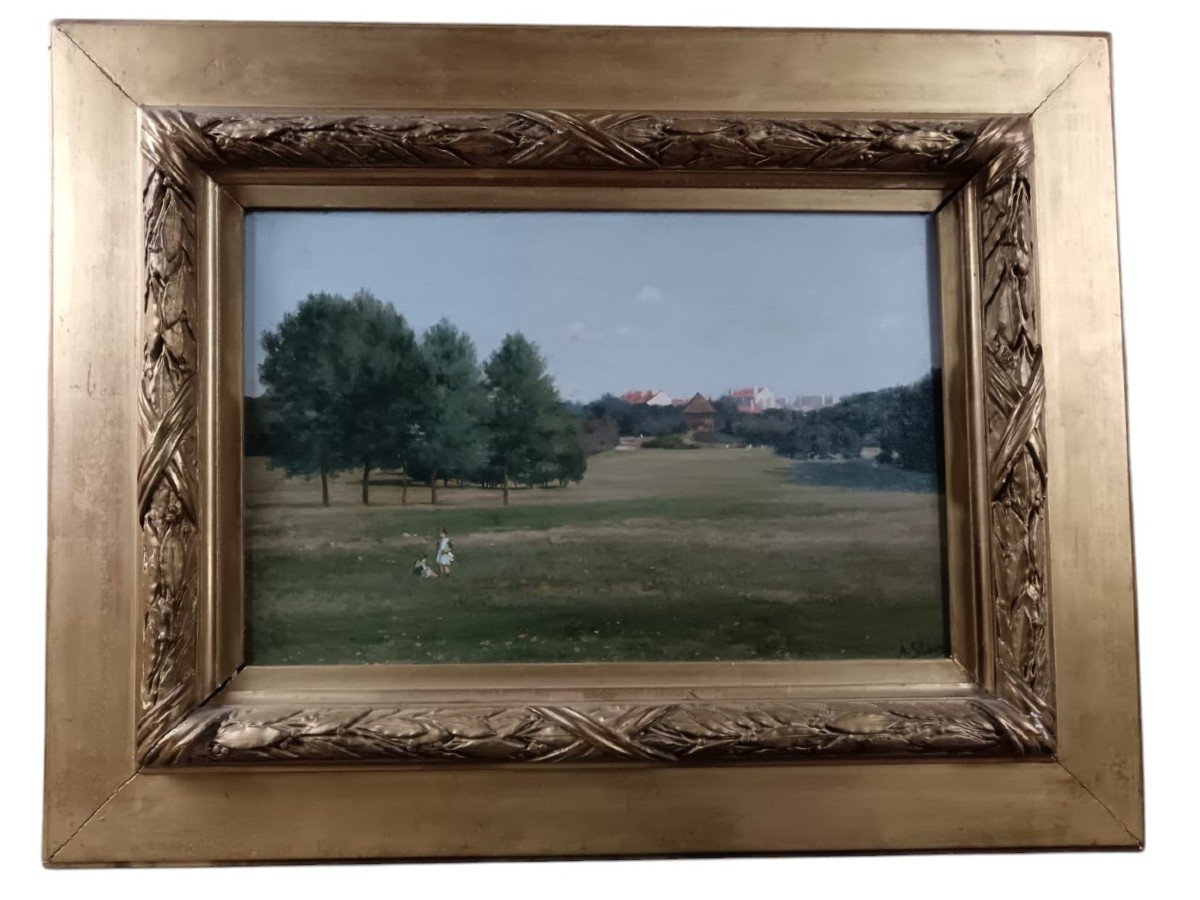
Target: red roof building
x=700 y=418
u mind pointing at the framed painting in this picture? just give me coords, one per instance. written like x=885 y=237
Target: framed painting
x=486 y=454
x=380 y=439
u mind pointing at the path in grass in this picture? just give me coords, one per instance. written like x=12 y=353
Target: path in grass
x=657 y=555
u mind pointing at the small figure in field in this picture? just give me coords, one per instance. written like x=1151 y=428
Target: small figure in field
x=422 y=569
x=445 y=551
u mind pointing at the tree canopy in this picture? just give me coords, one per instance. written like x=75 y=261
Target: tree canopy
x=349 y=386
x=388 y=387
x=453 y=441
x=528 y=427
x=306 y=371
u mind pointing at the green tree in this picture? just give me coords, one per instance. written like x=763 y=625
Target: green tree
x=453 y=443
x=727 y=415
x=524 y=412
x=388 y=387
x=568 y=461
x=913 y=430
x=637 y=418
x=306 y=371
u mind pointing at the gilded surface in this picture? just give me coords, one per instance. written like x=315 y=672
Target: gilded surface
x=168 y=472
x=1014 y=400
x=666 y=733
x=1018 y=720
x=557 y=140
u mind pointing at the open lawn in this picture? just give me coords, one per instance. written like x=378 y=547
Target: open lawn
x=657 y=555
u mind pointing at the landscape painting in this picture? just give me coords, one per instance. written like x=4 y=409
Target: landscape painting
x=516 y=437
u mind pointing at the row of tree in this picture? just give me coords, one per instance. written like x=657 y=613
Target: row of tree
x=902 y=421
x=633 y=418
x=350 y=386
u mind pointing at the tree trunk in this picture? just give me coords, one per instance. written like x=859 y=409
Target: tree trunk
x=366 y=485
x=504 y=484
x=324 y=488
x=403 y=485
x=433 y=488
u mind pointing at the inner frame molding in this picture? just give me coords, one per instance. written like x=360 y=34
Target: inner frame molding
x=1011 y=711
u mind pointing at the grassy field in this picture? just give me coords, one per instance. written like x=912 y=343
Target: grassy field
x=657 y=555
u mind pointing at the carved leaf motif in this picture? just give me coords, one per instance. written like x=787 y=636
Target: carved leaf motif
x=924 y=141
x=555 y=734
x=1014 y=399
x=861 y=723
x=176 y=143
x=554 y=139
x=396 y=726
x=238 y=736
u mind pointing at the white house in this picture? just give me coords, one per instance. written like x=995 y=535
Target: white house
x=650 y=398
x=756 y=399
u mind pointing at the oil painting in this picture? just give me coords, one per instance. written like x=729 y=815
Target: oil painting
x=591 y=437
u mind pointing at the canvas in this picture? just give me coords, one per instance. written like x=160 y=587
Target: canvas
x=592 y=436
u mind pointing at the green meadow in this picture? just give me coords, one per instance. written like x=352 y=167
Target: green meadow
x=719 y=554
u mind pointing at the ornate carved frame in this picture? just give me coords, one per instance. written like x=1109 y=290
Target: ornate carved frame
x=1000 y=706
x=992 y=156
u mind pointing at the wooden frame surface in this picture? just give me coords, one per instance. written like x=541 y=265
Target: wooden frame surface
x=1028 y=737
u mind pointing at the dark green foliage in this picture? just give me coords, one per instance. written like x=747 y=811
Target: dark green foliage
x=636 y=419
x=388 y=387
x=307 y=372
x=903 y=421
x=532 y=437
x=669 y=442
x=912 y=431
x=567 y=460
x=772 y=430
x=453 y=442
x=597 y=435
x=727 y=414
x=348 y=386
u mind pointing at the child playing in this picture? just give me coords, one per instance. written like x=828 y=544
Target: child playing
x=421 y=568
x=445 y=551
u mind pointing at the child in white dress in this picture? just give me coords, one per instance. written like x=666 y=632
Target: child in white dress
x=445 y=552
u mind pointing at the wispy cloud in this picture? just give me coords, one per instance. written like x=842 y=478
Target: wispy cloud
x=581 y=331
x=623 y=330
x=650 y=295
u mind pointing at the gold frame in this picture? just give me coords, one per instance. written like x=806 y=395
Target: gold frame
x=1023 y=739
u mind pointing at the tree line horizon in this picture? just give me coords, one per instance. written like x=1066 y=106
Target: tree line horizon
x=349 y=385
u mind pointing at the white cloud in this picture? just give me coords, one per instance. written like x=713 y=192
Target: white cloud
x=624 y=330
x=649 y=294
x=581 y=331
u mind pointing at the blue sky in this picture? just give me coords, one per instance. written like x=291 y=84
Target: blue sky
x=802 y=303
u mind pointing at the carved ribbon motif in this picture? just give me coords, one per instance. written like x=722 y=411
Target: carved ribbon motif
x=661 y=733
x=556 y=140
x=1015 y=395
x=168 y=472
x=171 y=731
